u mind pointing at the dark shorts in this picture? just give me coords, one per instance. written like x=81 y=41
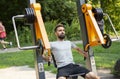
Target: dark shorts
x=2 y=39
x=71 y=69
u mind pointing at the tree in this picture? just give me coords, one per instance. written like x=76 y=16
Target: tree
x=61 y=10
x=111 y=7
x=113 y=10
x=10 y=8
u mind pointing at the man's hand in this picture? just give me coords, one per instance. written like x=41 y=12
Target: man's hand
x=85 y=54
x=46 y=58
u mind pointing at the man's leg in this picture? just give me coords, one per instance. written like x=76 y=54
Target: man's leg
x=91 y=75
x=62 y=78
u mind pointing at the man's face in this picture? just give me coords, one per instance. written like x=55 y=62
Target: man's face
x=60 y=32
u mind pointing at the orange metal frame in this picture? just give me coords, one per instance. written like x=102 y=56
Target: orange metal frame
x=40 y=28
x=95 y=36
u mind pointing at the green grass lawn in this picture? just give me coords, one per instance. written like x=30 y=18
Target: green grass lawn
x=17 y=59
x=105 y=58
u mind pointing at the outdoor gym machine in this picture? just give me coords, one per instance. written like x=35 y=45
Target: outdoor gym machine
x=92 y=33
x=34 y=19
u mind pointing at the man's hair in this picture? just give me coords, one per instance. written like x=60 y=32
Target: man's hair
x=58 y=25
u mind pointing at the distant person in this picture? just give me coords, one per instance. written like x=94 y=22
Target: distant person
x=3 y=36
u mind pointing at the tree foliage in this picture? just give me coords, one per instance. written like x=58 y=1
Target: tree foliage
x=111 y=7
x=9 y=8
x=61 y=10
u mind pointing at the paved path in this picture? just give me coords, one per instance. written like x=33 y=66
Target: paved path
x=24 y=72
x=9 y=50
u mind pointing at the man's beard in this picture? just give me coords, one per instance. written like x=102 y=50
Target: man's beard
x=62 y=36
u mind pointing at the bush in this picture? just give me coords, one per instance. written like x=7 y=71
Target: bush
x=25 y=33
x=73 y=31
x=116 y=70
x=50 y=25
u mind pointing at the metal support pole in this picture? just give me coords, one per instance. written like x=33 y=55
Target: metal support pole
x=39 y=67
x=90 y=62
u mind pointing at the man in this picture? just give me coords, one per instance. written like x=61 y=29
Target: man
x=62 y=52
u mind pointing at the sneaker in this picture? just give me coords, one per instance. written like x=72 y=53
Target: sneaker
x=10 y=43
x=4 y=49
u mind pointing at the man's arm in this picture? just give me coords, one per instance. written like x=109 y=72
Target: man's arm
x=85 y=54
x=74 y=46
